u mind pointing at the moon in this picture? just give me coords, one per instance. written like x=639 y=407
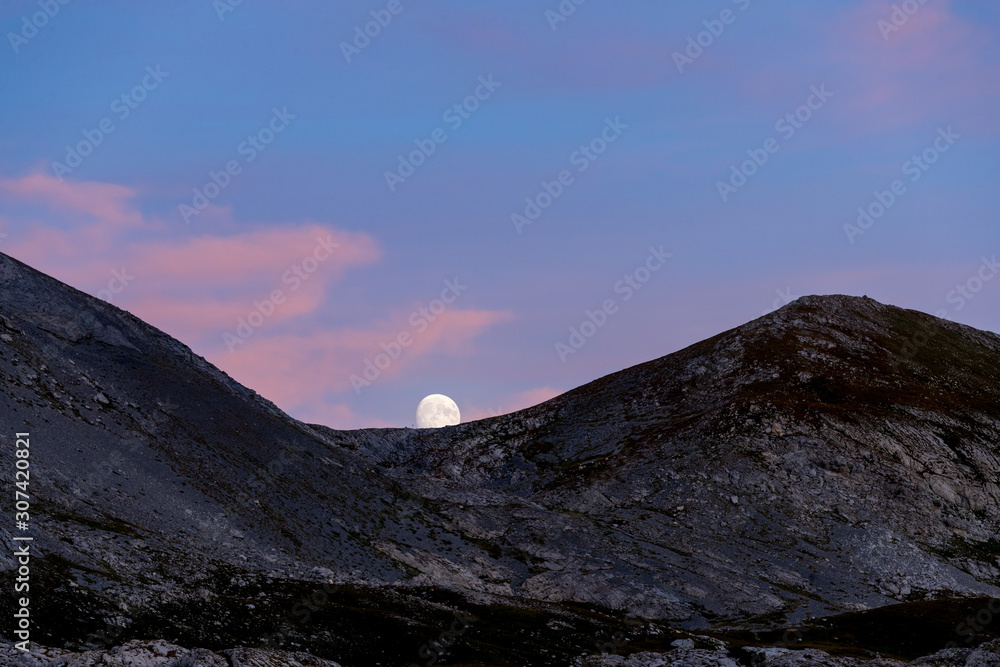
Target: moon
x=437 y=410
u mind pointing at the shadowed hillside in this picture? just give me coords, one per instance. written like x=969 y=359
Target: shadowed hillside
x=833 y=457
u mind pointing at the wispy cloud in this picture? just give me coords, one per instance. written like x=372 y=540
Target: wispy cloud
x=518 y=401
x=201 y=288
x=931 y=68
x=110 y=204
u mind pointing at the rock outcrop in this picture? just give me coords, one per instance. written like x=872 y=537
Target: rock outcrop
x=835 y=456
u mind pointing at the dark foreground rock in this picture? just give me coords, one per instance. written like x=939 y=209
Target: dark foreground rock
x=986 y=655
x=835 y=457
x=156 y=653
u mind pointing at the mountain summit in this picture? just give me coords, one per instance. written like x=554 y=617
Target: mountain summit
x=834 y=457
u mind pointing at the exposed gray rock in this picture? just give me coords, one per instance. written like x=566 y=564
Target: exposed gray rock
x=37 y=656
x=781 y=657
x=835 y=455
x=158 y=653
x=136 y=653
x=248 y=657
x=986 y=655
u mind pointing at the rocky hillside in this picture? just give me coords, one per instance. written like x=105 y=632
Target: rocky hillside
x=836 y=457
x=703 y=652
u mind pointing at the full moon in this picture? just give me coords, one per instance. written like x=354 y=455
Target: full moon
x=437 y=410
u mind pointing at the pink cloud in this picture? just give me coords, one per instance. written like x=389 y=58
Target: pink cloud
x=298 y=368
x=198 y=317
x=106 y=202
x=235 y=260
x=190 y=287
x=107 y=212
x=519 y=401
x=932 y=67
x=340 y=416
x=200 y=288
x=40 y=243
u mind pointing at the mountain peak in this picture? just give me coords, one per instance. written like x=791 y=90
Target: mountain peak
x=836 y=455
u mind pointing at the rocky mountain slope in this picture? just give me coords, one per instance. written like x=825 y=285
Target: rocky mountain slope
x=812 y=461
x=683 y=653
x=834 y=457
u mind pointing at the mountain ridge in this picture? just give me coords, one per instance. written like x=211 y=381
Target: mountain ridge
x=811 y=462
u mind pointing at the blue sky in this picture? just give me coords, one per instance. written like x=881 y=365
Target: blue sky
x=897 y=83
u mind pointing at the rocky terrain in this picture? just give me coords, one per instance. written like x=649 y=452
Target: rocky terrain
x=698 y=652
x=832 y=467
